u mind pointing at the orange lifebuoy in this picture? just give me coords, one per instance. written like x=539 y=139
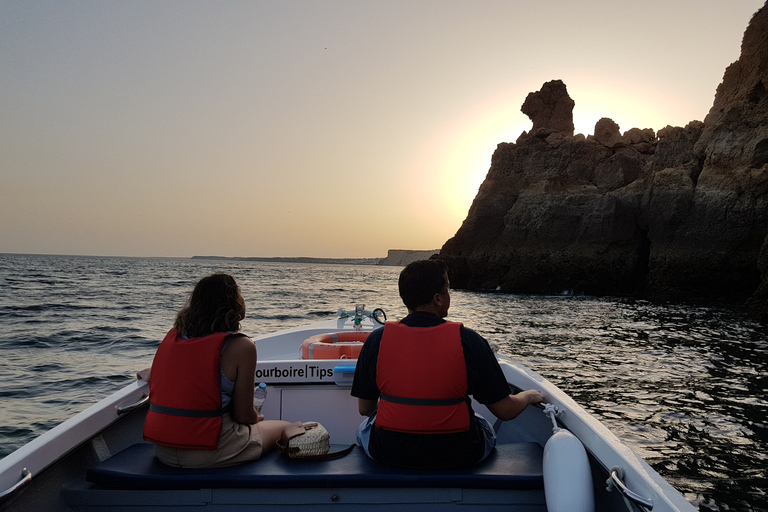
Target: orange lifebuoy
x=335 y=345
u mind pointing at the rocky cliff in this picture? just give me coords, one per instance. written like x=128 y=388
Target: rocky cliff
x=677 y=214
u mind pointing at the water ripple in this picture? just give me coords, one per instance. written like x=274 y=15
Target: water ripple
x=683 y=385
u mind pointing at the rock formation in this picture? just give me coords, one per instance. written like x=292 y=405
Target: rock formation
x=679 y=214
x=401 y=257
x=551 y=110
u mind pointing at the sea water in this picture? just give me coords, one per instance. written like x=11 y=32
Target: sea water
x=683 y=385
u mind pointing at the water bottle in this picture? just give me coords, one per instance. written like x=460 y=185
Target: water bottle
x=259 y=395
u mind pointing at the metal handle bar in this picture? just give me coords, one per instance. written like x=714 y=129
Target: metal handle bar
x=360 y=312
x=133 y=407
x=26 y=477
x=616 y=480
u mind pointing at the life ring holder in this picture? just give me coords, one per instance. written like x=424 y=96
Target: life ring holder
x=334 y=345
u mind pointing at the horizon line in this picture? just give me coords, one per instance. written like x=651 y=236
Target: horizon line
x=436 y=251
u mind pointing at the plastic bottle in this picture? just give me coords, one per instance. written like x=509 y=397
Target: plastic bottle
x=259 y=395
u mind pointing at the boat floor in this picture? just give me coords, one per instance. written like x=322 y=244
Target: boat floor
x=135 y=478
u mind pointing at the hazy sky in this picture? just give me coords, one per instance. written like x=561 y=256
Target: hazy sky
x=311 y=128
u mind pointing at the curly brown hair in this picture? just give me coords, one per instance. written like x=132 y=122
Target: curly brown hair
x=213 y=306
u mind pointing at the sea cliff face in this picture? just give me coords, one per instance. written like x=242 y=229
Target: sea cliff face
x=678 y=214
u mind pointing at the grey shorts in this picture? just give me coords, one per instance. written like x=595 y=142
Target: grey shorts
x=365 y=428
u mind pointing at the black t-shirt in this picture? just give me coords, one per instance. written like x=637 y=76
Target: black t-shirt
x=485 y=382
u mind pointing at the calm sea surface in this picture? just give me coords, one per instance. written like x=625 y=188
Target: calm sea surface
x=682 y=385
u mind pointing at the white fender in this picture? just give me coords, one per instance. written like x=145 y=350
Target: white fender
x=567 y=476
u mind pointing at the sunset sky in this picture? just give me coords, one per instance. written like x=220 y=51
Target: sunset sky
x=311 y=128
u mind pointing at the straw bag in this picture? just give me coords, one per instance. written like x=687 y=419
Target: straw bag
x=304 y=440
x=308 y=441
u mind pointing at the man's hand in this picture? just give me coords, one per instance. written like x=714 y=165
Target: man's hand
x=534 y=396
x=511 y=406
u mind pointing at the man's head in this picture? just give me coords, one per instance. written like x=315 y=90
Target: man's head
x=424 y=286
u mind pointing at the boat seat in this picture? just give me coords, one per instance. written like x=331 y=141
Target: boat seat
x=510 y=466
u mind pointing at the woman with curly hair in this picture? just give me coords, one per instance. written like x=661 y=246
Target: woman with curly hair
x=201 y=389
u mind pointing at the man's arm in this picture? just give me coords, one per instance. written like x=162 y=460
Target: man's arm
x=364 y=383
x=511 y=406
x=367 y=407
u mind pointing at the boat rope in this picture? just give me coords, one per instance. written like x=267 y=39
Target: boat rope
x=552 y=412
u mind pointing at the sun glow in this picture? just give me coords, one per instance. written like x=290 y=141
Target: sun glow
x=629 y=107
x=452 y=164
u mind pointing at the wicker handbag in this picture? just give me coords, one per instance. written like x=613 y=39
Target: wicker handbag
x=308 y=441
x=302 y=440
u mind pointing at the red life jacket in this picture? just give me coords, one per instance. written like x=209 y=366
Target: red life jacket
x=422 y=377
x=184 y=396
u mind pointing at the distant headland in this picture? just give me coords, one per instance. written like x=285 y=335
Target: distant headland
x=395 y=257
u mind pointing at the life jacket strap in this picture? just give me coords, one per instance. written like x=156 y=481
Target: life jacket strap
x=190 y=413
x=421 y=401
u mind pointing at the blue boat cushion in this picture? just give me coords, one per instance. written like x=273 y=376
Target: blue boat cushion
x=510 y=466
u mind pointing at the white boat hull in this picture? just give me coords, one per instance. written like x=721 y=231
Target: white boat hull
x=49 y=474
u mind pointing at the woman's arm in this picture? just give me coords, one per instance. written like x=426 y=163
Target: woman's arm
x=238 y=362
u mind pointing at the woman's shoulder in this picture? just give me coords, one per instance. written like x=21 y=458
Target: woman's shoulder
x=239 y=344
x=239 y=336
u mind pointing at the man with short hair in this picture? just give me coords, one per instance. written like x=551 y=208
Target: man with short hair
x=414 y=379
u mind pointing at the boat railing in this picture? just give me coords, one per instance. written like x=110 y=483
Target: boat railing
x=26 y=478
x=616 y=481
x=134 y=406
x=33 y=458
